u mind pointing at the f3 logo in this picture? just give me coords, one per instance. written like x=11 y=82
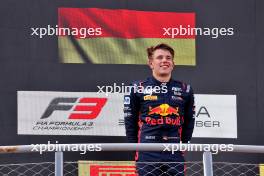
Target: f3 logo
x=93 y=105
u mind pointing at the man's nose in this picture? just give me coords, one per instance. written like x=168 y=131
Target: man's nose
x=164 y=59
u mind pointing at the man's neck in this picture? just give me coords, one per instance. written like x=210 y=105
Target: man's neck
x=160 y=78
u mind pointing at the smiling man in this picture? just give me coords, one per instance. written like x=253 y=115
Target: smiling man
x=159 y=110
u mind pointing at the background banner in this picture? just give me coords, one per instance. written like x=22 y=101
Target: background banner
x=215 y=116
x=69 y=113
x=101 y=168
x=91 y=113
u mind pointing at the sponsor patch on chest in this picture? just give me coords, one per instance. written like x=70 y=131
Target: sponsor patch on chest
x=150 y=97
x=177 y=91
x=176 y=98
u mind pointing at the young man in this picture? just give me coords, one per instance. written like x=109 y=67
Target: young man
x=159 y=110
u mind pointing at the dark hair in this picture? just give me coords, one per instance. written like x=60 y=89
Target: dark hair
x=163 y=46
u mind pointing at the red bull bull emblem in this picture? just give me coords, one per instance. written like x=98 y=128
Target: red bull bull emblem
x=164 y=110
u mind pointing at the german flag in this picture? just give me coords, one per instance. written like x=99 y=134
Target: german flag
x=107 y=36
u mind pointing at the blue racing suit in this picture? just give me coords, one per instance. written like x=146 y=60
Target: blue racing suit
x=157 y=112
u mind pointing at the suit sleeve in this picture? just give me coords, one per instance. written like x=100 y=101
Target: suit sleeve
x=189 y=120
x=131 y=116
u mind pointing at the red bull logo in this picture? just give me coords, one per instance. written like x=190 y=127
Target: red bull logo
x=162 y=120
x=164 y=110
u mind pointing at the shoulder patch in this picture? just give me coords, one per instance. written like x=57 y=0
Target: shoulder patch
x=184 y=87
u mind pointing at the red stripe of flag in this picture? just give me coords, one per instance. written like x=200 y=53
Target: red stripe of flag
x=126 y=23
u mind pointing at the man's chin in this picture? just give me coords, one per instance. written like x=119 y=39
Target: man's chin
x=164 y=74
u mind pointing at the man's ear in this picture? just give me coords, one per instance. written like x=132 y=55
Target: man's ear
x=150 y=64
x=173 y=63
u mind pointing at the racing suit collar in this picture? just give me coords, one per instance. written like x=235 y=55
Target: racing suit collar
x=158 y=83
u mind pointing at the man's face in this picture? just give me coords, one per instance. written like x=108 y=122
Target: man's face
x=161 y=63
